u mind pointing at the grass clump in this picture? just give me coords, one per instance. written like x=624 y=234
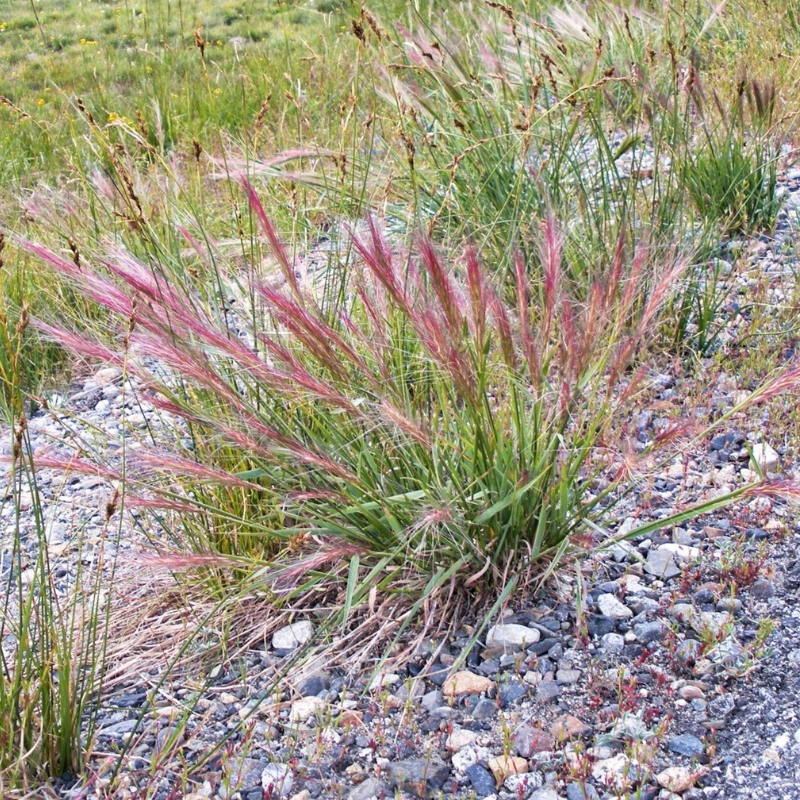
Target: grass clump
x=732 y=178
x=421 y=440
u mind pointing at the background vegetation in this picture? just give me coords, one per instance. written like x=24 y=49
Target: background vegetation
x=595 y=161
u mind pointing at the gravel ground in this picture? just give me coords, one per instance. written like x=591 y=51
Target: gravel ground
x=669 y=683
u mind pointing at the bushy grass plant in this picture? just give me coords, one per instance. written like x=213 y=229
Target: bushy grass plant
x=423 y=435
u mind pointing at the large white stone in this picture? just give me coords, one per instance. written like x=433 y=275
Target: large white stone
x=611 y=607
x=292 y=636
x=511 y=635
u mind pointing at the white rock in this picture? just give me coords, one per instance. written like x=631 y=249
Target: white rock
x=106 y=375
x=682 y=552
x=609 y=771
x=464 y=758
x=277 y=779
x=521 y=785
x=765 y=457
x=613 y=608
x=304 y=708
x=383 y=681
x=461 y=738
x=511 y=635
x=292 y=636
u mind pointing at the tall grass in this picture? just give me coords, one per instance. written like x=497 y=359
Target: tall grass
x=51 y=660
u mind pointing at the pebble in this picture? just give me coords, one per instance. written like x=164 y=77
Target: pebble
x=661 y=564
x=529 y=741
x=649 y=632
x=369 y=789
x=512 y=635
x=765 y=458
x=466 y=682
x=417 y=776
x=504 y=766
x=677 y=779
x=612 y=608
x=277 y=780
x=305 y=708
x=686 y=745
x=460 y=738
x=292 y=636
x=567 y=726
x=482 y=780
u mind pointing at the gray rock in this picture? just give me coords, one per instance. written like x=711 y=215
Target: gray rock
x=544 y=794
x=568 y=676
x=524 y=784
x=277 y=780
x=245 y=774
x=612 y=643
x=432 y=700
x=611 y=607
x=661 y=564
x=119 y=728
x=647 y=632
x=577 y=791
x=686 y=745
x=762 y=589
x=372 y=787
x=417 y=776
x=481 y=779
x=484 y=709
x=548 y=691
x=600 y=625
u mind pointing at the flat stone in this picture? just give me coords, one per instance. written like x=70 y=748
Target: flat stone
x=466 y=682
x=648 y=632
x=529 y=741
x=503 y=767
x=484 y=709
x=612 y=643
x=681 y=552
x=293 y=636
x=511 y=690
x=468 y=756
x=611 y=771
x=245 y=774
x=417 y=776
x=762 y=589
x=578 y=791
x=482 y=780
x=546 y=793
x=371 y=788
x=686 y=745
x=547 y=691
x=661 y=564
x=600 y=625
x=566 y=677
x=612 y=608
x=512 y=635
